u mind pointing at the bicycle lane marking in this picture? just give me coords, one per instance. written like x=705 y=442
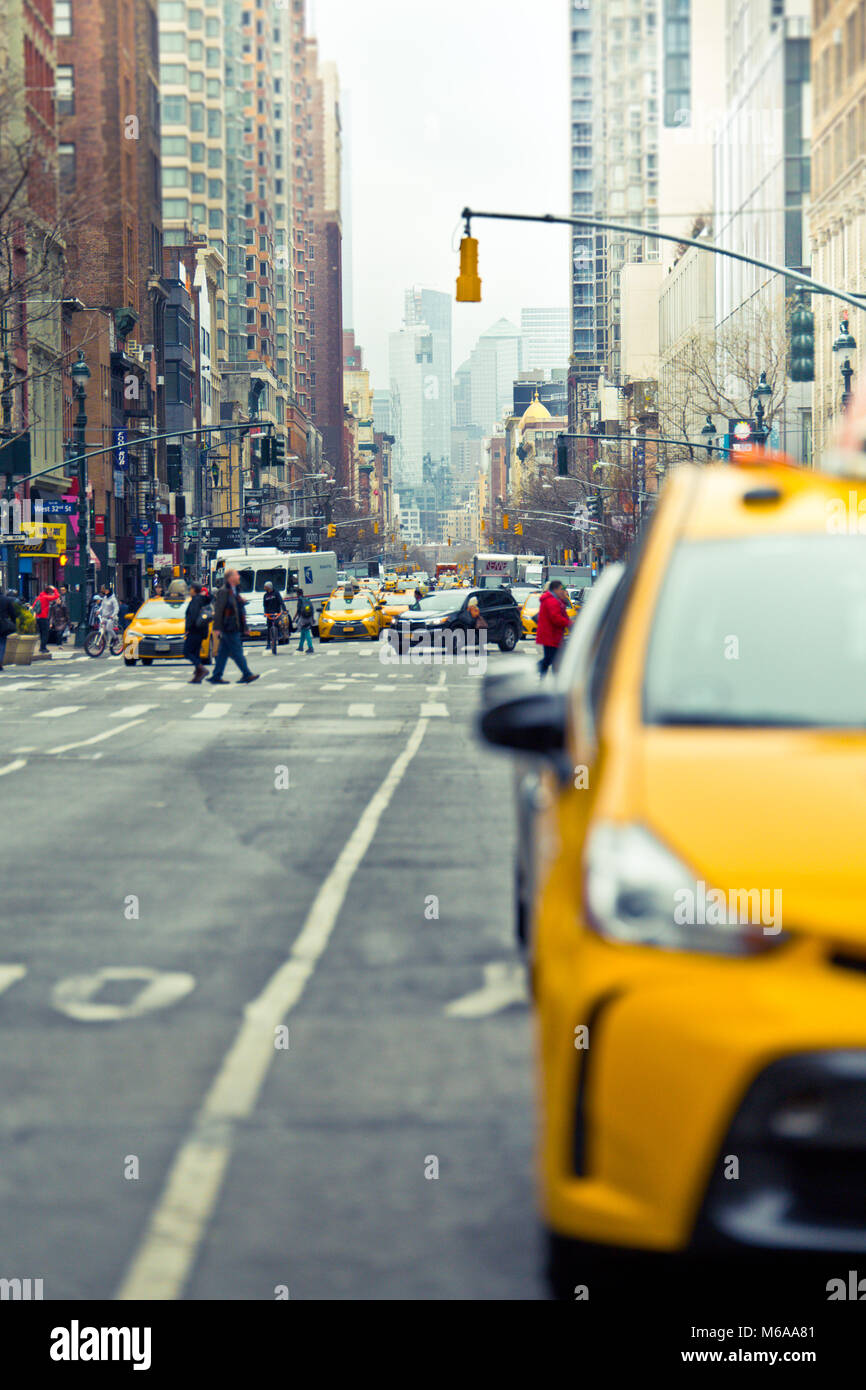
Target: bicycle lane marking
x=161 y=1265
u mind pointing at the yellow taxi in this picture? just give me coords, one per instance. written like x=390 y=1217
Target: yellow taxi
x=350 y=615
x=392 y=580
x=392 y=605
x=697 y=885
x=156 y=633
x=529 y=613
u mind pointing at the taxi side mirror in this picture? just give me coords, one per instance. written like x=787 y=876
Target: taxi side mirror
x=528 y=721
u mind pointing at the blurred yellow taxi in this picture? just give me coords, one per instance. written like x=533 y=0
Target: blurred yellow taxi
x=350 y=615
x=395 y=604
x=529 y=613
x=697 y=884
x=156 y=633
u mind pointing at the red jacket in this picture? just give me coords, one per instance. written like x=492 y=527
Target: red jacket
x=553 y=621
x=44 y=601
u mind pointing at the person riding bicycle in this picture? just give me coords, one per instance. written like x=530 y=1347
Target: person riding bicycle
x=108 y=614
x=273 y=605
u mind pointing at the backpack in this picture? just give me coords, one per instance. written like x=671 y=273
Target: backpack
x=306 y=609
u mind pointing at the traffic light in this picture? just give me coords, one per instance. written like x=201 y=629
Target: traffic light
x=62 y=561
x=505 y=521
x=375 y=528
x=561 y=458
x=518 y=528
x=332 y=531
x=278 y=451
x=215 y=472
x=596 y=506
x=449 y=540
x=265 y=451
x=468 y=283
x=802 y=342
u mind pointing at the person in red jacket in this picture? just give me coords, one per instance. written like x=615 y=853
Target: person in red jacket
x=553 y=624
x=42 y=607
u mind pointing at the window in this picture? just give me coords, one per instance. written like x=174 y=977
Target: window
x=196 y=50
x=172 y=74
x=196 y=81
x=215 y=217
x=196 y=115
x=174 y=110
x=174 y=144
x=214 y=124
x=212 y=28
x=172 y=11
x=214 y=157
x=213 y=58
x=172 y=43
x=198 y=182
x=174 y=178
x=213 y=88
x=196 y=152
x=64 y=90
x=63 y=18
x=66 y=166
x=177 y=209
x=194 y=19
x=214 y=188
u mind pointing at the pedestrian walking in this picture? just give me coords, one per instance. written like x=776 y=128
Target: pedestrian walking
x=305 y=618
x=197 y=623
x=42 y=607
x=230 y=622
x=8 y=623
x=416 y=606
x=273 y=606
x=58 y=617
x=553 y=624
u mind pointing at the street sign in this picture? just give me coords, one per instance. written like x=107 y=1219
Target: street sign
x=57 y=507
x=741 y=434
x=160 y=561
x=121 y=458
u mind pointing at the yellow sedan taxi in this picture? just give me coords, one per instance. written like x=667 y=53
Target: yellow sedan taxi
x=697 y=886
x=392 y=605
x=350 y=615
x=530 y=609
x=156 y=633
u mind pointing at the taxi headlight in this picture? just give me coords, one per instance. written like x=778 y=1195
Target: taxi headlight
x=637 y=891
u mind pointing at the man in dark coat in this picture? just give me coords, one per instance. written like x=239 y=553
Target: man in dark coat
x=8 y=622
x=196 y=632
x=230 y=622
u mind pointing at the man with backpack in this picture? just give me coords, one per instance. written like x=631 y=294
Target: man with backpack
x=197 y=624
x=305 y=618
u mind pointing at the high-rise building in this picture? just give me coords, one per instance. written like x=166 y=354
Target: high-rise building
x=614 y=159
x=494 y=363
x=762 y=179
x=325 y=288
x=546 y=339
x=420 y=369
x=837 y=217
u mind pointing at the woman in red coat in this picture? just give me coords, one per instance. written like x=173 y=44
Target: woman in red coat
x=553 y=624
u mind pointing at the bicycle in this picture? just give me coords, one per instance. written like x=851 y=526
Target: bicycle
x=94 y=642
x=272 y=634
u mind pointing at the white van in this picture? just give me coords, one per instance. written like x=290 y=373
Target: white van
x=315 y=572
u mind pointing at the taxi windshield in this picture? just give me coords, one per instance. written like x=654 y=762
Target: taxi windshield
x=159 y=608
x=761 y=631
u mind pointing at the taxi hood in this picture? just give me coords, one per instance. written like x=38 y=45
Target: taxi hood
x=764 y=809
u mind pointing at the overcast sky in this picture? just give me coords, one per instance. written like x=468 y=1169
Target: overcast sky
x=453 y=102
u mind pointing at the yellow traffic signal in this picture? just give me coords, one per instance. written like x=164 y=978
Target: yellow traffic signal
x=332 y=530
x=449 y=540
x=505 y=521
x=518 y=528
x=361 y=532
x=483 y=526
x=568 y=557
x=375 y=528
x=468 y=283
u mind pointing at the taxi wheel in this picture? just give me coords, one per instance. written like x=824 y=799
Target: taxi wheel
x=323 y=639
x=147 y=661
x=129 y=661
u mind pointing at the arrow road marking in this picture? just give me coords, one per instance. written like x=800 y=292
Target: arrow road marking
x=504 y=985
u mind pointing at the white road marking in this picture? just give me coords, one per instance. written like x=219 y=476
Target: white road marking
x=285 y=711
x=282 y=685
x=130 y=711
x=162 y=1263
x=504 y=985
x=9 y=974
x=58 y=713
x=386 y=688
x=13 y=767
x=340 y=685
x=212 y=712
x=430 y=710
x=159 y=988
x=96 y=738
x=362 y=711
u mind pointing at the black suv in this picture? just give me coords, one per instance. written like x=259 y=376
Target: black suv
x=449 y=609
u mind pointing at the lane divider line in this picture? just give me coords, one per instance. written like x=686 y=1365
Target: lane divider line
x=96 y=738
x=160 y=1267
x=13 y=767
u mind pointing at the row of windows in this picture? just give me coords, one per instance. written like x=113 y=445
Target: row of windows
x=837 y=62
x=844 y=144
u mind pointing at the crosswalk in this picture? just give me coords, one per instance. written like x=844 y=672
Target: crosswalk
x=219 y=709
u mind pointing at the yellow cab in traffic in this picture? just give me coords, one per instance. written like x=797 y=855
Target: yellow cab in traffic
x=350 y=615
x=530 y=609
x=392 y=605
x=697 y=931
x=156 y=632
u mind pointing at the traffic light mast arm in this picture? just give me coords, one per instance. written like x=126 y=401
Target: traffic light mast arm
x=816 y=286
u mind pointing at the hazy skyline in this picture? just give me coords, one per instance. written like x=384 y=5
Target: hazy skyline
x=464 y=104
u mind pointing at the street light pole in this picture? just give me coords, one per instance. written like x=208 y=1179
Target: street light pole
x=845 y=343
x=80 y=373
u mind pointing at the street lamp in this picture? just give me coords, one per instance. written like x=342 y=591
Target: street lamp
x=709 y=433
x=80 y=373
x=762 y=392
x=845 y=343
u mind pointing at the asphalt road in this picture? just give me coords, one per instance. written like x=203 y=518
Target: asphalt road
x=170 y=905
